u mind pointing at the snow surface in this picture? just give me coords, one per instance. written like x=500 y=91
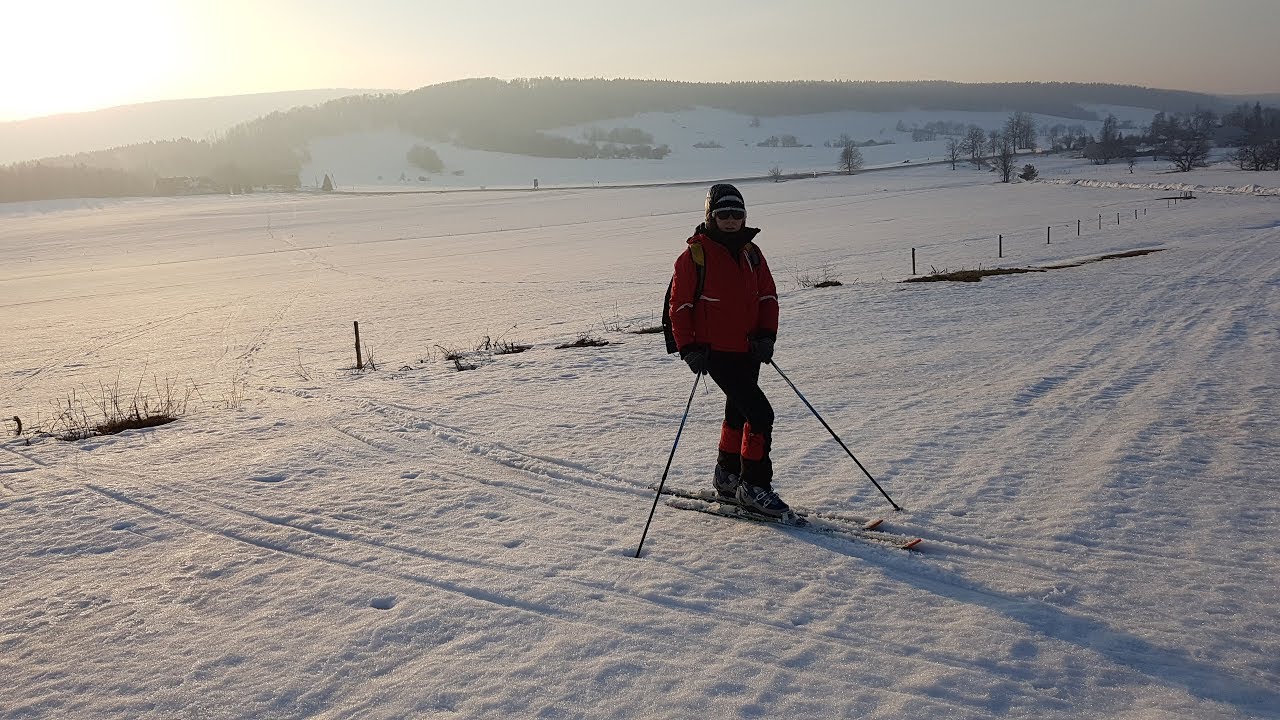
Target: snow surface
x=1090 y=454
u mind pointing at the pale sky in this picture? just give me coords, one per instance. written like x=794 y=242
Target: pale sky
x=75 y=55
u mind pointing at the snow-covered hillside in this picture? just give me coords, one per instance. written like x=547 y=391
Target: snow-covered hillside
x=1089 y=454
x=377 y=160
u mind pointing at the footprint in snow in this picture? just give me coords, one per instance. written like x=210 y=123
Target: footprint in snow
x=278 y=477
x=382 y=603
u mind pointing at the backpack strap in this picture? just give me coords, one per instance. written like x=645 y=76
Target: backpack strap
x=698 y=255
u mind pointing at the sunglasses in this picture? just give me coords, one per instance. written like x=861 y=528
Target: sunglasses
x=729 y=215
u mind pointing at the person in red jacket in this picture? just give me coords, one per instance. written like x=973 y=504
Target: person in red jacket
x=724 y=319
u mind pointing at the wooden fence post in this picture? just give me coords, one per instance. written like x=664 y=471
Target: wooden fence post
x=1000 y=247
x=359 y=361
x=913 y=261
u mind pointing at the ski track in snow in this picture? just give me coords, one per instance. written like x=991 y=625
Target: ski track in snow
x=1089 y=454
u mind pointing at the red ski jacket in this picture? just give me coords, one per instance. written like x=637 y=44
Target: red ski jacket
x=739 y=299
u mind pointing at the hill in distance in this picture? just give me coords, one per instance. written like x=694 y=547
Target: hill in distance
x=196 y=118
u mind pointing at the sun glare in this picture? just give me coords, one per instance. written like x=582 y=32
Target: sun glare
x=74 y=56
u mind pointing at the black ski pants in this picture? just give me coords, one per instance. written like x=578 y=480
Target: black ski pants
x=738 y=375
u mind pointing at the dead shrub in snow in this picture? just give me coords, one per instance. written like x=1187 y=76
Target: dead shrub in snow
x=586 y=339
x=823 y=278
x=457 y=357
x=112 y=410
x=369 y=363
x=490 y=346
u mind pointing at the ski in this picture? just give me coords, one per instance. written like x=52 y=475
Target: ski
x=818 y=526
x=710 y=496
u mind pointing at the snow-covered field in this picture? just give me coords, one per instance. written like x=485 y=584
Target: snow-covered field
x=377 y=160
x=1089 y=453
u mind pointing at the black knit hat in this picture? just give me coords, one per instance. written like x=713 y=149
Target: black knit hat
x=722 y=196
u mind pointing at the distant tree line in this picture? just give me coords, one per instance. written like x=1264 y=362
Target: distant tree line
x=846 y=141
x=932 y=129
x=786 y=141
x=620 y=136
x=236 y=163
x=1186 y=138
x=1062 y=137
x=1256 y=138
x=37 y=181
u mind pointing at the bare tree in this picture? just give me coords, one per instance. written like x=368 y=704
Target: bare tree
x=1186 y=150
x=1109 y=139
x=1020 y=128
x=993 y=142
x=1187 y=144
x=850 y=159
x=775 y=172
x=1257 y=154
x=973 y=143
x=1004 y=160
x=1053 y=133
x=954 y=151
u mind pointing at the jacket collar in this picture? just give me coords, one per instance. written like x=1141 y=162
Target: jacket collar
x=733 y=242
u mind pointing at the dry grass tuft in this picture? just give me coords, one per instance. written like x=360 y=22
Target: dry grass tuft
x=112 y=410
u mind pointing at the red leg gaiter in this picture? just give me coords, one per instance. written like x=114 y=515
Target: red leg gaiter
x=730 y=438
x=755 y=446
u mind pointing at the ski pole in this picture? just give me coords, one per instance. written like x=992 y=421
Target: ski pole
x=669 y=459
x=834 y=435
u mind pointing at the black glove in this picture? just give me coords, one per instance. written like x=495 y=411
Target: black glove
x=697 y=357
x=762 y=348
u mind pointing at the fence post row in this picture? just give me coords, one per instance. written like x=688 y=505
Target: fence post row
x=1048 y=240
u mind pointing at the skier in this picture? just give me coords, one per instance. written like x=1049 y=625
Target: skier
x=723 y=309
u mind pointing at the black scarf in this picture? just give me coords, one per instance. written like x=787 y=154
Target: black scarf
x=732 y=241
